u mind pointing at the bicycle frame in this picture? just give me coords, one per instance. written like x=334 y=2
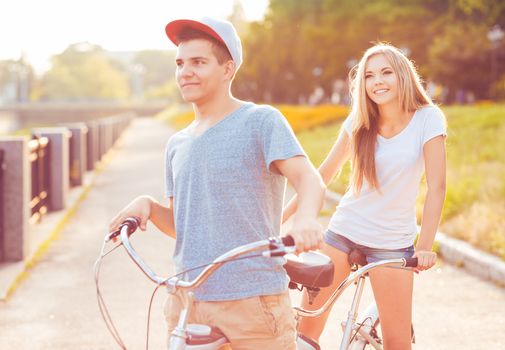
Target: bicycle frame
x=359 y=277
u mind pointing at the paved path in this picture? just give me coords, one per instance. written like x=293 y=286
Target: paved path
x=55 y=306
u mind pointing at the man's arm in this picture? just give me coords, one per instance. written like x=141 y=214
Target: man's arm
x=147 y=208
x=163 y=217
x=309 y=187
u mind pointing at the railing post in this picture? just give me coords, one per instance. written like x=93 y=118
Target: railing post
x=102 y=139
x=110 y=133
x=92 y=145
x=77 y=153
x=59 y=168
x=17 y=190
x=38 y=149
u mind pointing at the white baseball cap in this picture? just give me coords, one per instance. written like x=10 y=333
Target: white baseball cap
x=223 y=31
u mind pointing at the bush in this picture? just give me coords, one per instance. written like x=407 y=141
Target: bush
x=307 y=117
x=299 y=117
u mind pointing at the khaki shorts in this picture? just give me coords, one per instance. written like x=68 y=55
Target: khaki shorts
x=258 y=323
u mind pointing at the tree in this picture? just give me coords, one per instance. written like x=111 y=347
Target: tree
x=16 y=80
x=238 y=18
x=461 y=64
x=159 y=66
x=276 y=55
x=460 y=55
x=83 y=72
x=303 y=45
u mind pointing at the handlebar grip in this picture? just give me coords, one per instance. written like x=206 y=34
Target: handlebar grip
x=288 y=241
x=411 y=262
x=132 y=223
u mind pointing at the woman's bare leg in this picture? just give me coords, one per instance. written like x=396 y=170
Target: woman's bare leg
x=393 y=293
x=313 y=327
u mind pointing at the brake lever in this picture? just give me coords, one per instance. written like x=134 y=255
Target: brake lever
x=280 y=251
x=112 y=235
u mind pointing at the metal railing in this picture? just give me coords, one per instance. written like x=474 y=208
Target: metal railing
x=39 y=163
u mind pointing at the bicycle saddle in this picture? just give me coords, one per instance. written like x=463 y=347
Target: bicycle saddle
x=356 y=257
x=310 y=269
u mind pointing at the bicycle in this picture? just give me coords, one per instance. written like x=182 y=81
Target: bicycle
x=309 y=270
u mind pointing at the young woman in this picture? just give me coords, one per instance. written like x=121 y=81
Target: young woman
x=393 y=134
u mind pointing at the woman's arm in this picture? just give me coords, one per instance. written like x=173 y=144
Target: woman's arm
x=435 y=165
x=339 y=154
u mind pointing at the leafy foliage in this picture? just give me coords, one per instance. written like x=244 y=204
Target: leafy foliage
x=15 y=76
x=301 y=45
x=159 y=67
x=83 y=72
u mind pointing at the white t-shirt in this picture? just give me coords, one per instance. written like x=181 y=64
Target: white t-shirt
x=387 y=219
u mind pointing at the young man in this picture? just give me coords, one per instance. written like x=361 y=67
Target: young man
x=225 y=180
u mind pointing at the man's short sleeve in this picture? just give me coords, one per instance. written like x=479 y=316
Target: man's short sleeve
x=278 y=139
x=434 y=124
x=169 y=179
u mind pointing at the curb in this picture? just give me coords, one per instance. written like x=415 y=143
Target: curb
x=477 y=262
x=459 y=253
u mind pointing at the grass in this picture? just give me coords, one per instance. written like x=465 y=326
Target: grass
x=27 y=130
x=317 y=143
x=177 y=115
x=475 y=203
x=22 y=132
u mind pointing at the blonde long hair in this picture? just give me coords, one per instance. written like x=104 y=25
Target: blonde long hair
x=411 y=96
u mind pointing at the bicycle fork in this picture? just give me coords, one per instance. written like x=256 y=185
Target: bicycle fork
x=178 y=336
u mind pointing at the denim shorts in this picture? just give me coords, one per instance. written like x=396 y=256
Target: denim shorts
x=372 y=254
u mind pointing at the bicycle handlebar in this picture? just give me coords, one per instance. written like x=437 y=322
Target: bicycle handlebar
x=272 y=247
x=410 y=262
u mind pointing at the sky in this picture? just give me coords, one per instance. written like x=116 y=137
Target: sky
x=38 y=29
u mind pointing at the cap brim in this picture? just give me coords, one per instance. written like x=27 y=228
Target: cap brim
x=174 y=28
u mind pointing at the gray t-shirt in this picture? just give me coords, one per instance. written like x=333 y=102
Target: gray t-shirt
x=225 y=195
